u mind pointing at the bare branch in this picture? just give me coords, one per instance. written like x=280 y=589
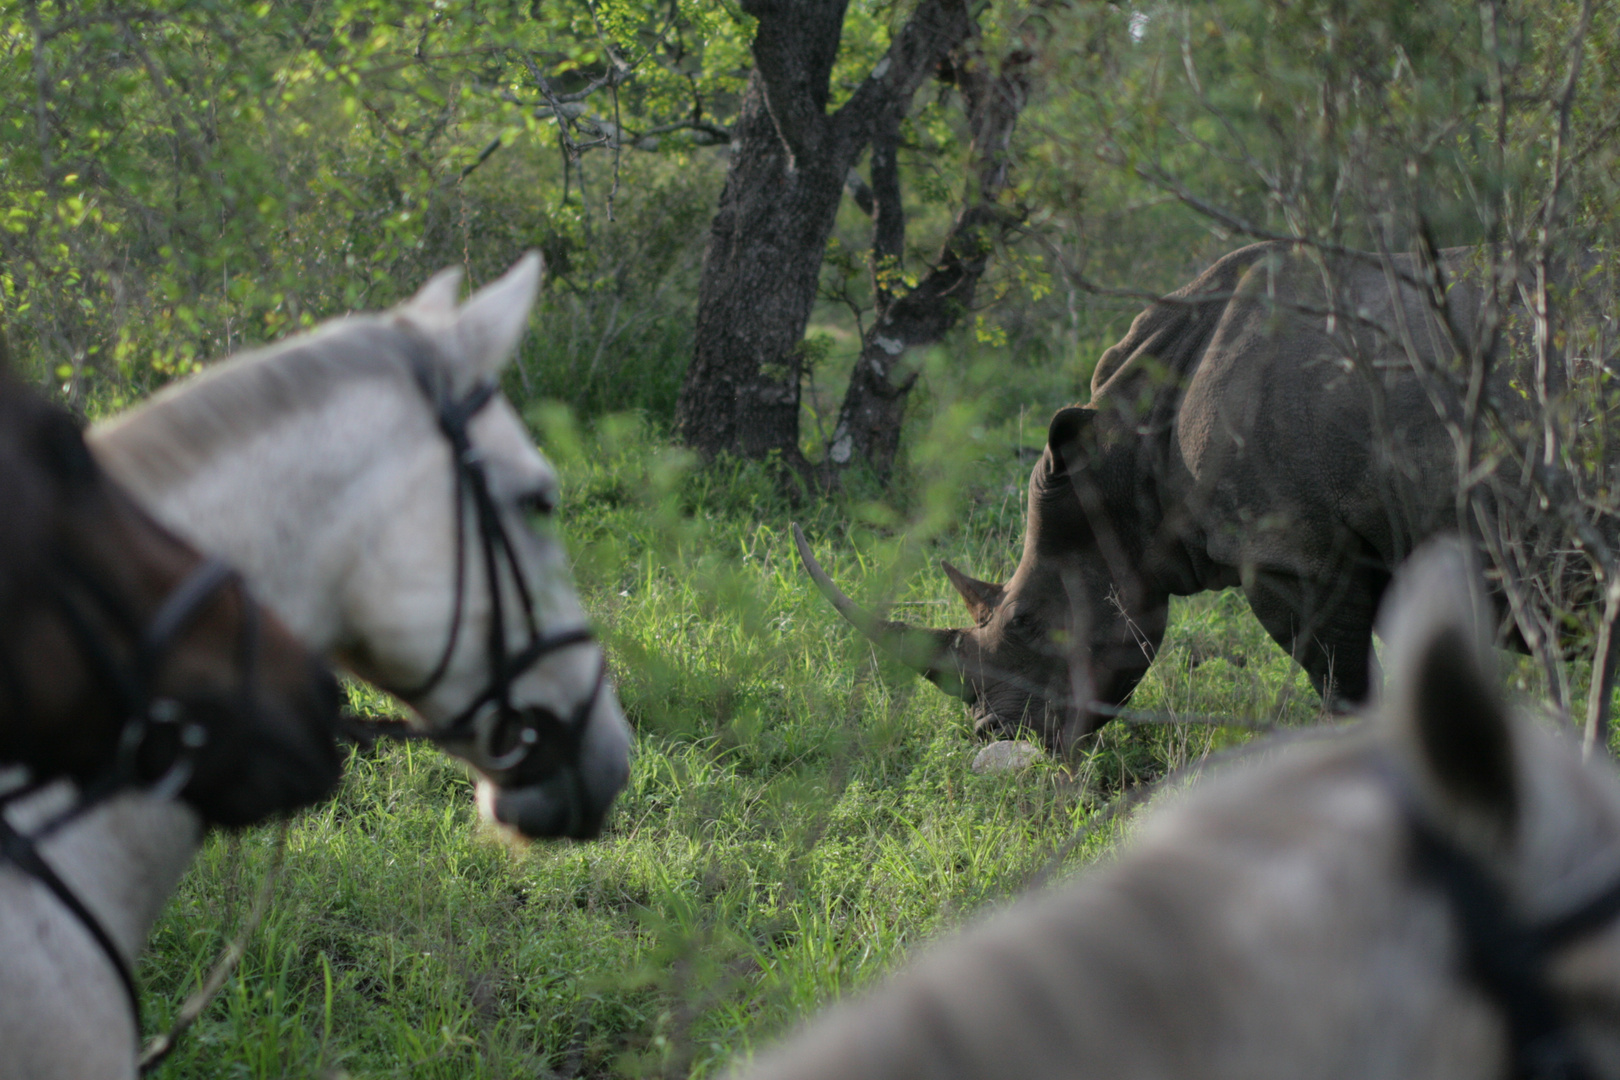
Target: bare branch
x=483 y=156
x=888 y=209
x=933 y=31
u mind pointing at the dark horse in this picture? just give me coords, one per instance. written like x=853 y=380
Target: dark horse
x=128 y=659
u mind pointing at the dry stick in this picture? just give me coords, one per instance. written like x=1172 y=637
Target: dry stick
x=483 y=156
x=1464 y=431
x=163 y=1045
x=1603 y=660
x=1549 y=479
x=1549 y=217
x=1146 y=717
x=619 y=70
x=1603 y=673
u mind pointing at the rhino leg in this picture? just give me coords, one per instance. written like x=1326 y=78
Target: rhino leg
x=1326 y=627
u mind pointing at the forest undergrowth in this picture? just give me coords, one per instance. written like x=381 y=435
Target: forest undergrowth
x=801 y=814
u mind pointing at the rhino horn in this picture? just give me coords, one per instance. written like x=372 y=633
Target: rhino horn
x=981 y=597
x=931 y=653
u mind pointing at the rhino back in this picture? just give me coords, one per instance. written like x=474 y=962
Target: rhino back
x=1297 y=430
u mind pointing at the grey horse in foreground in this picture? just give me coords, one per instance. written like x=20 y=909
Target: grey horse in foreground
x=1434 y=894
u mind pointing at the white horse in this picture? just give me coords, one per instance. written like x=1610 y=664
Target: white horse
x=1436 y=896
x=321 y=467
x=377 y=494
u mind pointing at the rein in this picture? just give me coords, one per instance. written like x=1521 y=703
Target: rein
x=145 y=716
x=514 y=733
x=1505 y=955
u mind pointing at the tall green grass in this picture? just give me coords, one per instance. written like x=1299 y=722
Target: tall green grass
x=801 y=814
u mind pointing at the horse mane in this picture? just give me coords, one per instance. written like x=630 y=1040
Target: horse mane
x=184 y=426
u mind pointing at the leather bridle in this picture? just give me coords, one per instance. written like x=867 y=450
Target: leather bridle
x=149 y=720
x=513 y=734
x=1506 y=956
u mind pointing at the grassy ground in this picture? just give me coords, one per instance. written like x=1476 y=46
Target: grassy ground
x=800 y=815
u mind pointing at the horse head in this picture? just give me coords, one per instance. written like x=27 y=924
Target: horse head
x=127 y=659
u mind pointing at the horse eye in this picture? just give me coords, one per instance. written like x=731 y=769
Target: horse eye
x=541 y=503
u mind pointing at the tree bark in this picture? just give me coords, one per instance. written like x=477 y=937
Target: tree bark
x=869 y=421
x=790 y=160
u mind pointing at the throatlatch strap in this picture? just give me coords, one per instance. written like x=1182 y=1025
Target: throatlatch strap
x=1505 y=955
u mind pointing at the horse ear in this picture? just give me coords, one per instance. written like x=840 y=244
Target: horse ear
x=1063 y=434
x=1442 y=699
x=62 y=450
x=981 y=596
x=437 y=299
x=492 y=321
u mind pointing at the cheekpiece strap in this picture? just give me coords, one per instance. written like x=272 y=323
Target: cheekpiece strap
x=1505 y=956
x=180 y=607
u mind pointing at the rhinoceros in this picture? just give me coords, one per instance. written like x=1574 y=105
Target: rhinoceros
x=1261 y=427
x=1431 y=894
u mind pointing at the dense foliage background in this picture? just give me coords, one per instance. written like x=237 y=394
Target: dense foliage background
x=180 y=179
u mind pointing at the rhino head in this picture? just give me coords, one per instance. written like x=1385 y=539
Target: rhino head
x=1077 y=625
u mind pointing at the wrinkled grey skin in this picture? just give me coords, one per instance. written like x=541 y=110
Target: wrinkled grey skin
x=1229 y=442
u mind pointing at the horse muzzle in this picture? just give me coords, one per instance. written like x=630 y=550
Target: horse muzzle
x=556 y=809
x=573 y=801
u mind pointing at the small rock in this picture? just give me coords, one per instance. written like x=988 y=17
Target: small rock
x=1007 y=755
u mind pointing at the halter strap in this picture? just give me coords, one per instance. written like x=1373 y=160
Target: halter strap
x=182 y=605
x=453 y=417
x=1589 y=917
x=142 y=711
x=515 y=666
x=1506 y=956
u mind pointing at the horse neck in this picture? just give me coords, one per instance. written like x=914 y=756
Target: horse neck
x=288 y=506
x=122 y=859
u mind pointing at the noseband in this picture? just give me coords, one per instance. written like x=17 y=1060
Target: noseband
x=523 y=729
x=1506 y=956
x=145 y=716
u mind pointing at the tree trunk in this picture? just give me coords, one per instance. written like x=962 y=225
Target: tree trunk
x=759 y=281
x=789 y=162
x=870 y=418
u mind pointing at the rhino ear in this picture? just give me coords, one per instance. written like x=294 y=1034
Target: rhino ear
x=1442 y=700
x=1063 y=434
x=492 y=321
x=981 y=596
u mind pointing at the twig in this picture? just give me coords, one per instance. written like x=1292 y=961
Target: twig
x=1170 y=719
x=483 y=156
x=1603 y=673
x=163 y=1045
